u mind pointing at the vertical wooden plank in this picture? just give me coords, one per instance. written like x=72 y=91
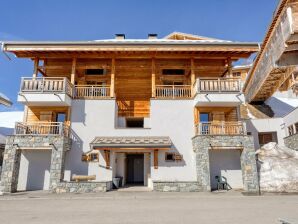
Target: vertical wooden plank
x=229 y=62
x=192 y=76
x=73 y=71
x=112 y=94
x=153 y=78
x=35 y=70
x=107 y=158
x=155 y=158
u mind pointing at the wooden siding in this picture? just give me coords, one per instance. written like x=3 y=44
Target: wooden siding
x=40 y=113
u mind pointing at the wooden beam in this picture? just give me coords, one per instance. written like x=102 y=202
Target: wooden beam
x=107 y=154
x=192 y=76
x=153 y=82
x=35 y=70
x=112 y=94
x=73 y=71
x=229 y=62
x=155 y=158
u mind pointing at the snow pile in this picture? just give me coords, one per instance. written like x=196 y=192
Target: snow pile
x=278 y=168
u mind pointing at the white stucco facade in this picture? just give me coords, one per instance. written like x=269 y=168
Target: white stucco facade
x=172 y=118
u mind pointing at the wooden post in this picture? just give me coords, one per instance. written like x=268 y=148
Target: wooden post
x=153 y=79
x=155 y=158
x=107 y=158
x=192 y=76
x=229 y=62
x=112 y=93
x=35 y=71
x=73 y=71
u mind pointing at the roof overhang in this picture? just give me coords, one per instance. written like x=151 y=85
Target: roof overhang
x=152 y=142
x=33 y=48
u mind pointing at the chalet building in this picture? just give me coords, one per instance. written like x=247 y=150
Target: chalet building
x=163 y=113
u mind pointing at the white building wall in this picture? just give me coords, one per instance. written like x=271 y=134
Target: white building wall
x=34 y=173
x=291 y=119
x=266 y=125
x=173 y=118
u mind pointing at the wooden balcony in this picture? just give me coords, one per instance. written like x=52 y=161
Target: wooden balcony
x=41 y=91
x=173 y=91
x=91 y=92
x=218 y=85
x=218 y=92
x=46 y=85
x=221 y=128
x=42 y=128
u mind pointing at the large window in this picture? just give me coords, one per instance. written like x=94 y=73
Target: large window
x=173 y=71
x=135 y=122
x=95 y=72
x=265 y=138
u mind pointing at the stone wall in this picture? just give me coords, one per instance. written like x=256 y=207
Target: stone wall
x=11 y=158
x=202 y=145
x=292 y=141
x=176 y=186
x=82 y=187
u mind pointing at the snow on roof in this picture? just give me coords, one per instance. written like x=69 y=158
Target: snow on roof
x=8 y=119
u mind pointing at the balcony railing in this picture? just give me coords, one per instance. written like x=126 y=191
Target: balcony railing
x=218 y=85
x=221 y=128
x=173 y=91
x=46 y=85
x=91 y=92
x=41 y=128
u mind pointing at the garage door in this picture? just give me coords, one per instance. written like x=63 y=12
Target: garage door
x=226 y=163
x=34 y=171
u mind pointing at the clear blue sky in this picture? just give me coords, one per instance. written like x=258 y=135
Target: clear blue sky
x=241 y=20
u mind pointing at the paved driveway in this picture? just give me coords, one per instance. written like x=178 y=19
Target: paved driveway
x=147 y=207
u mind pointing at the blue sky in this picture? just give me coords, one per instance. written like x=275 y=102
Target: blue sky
x=241 y=20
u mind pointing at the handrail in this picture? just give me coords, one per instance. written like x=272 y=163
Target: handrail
x=91 y=91
x=218 y=85
x=221 y=128
x=41 y=128
x=173 y=91
x=46 y=85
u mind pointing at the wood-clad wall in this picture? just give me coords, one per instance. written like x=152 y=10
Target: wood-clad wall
x=41 y=113
x=216 y=113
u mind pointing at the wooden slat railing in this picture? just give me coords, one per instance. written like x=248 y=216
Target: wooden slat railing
x=221 y=128
x=91 y=92
x=173 y=91
x=46 y=85
x=218 y=85
x=41 y=128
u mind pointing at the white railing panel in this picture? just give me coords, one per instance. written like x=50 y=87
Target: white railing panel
x=91 y=92
x=218 y=85
x=173 y=91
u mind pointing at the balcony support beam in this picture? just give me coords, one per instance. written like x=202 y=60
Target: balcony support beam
x=192 y=76
x=35 y=70
x=73 y=71
x=153 y=78
x=112 y=93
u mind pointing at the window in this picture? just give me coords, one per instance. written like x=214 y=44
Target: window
x=265 y=138
x=95 y=72
x=135 y=122
x=91 y=157
x=204 y=117
x=170 y=156
x=173 y=71
x=170 y=82
x=236 y=74
x=60 y=117
x=291 y=130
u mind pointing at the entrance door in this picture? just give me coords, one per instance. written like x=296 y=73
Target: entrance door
x=135 y=168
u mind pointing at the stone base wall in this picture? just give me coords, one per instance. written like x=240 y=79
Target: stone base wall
x=82 y=187
x=176 y=186
x=292 y=141
x=202 y=145
x=11 y=159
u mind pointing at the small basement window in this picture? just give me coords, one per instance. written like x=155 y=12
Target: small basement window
x=135 y=122
x=95 y=72
x=91 y=157
x=170 y=156
x=173 y=71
